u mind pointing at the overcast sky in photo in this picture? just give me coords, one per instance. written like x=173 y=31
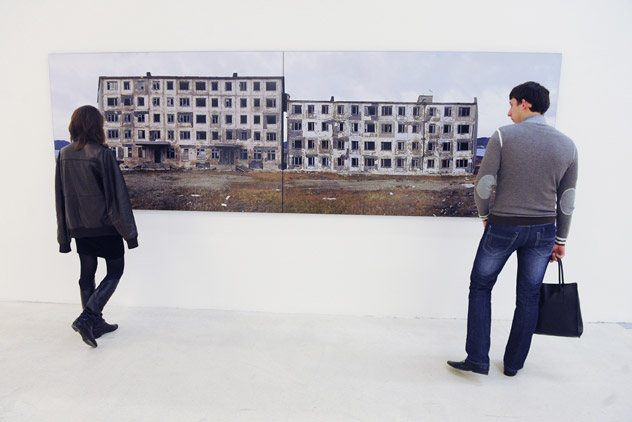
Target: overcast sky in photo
x=348 y=76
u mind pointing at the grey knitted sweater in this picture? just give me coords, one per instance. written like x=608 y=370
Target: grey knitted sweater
x=533 y=168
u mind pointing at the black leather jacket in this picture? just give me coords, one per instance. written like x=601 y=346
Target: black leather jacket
x=91 y=196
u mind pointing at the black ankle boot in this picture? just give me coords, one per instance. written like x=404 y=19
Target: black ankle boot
x=83 y=325
x=101 y=327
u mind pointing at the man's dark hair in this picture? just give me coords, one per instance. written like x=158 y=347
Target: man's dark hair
x=533 y=93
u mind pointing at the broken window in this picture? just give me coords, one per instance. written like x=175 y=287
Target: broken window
x=140 y=118
x=430 y=164
x=228 y=86
x=215 y=135
x=127 y=118
x=297 y=144
x=256 y=86
x=169 y=85
x=155 y=101
x=463 y=146
x=432 y=111
x=243 y=102
x=170 y=118
x=171 y=135
x=243 y=154
x=243 y=119
x=141 y=134
x=256 y=102
x=200 y=135
x=355 y=145
x=228 y=102
x=229 y=135
x=324 y=144
x=340 y=161
x=401 y=128
x=128 y=152
x=415 y=128
x=401 y=111
x=154 y=135
x=401 y=163
x=430 y=146
x=355 y=110
x=432 y=129
x=341 y=109
x=445 y=164
x=416 y=111
x=171 y=153
x=310 y=108
x=447 y=128
x=200 y=86
x=183 y=85
x=200 y=102
x=387 y=110
x=369 y=128
x=355 y=127
x=185 y=117
x=156 y=117
x=126 y=86
x=461 y=163
x=270 y=102
x=387 y=146
x=185 y=102
x=185 y=153
x=271 y=155
x=214 y=102
x=201 y=153
x=369 y=162
x=170 y=102
x=414 y=146
x=296 y=126
x=297 y=161
x=401 y=146
x=128 y=100
x=113 y=134
x=311 y=161
x=324 y=126
x=271 y=86
x=111 y=117
x=464 y=129
x=340 y=144
x=243 y=135
x=464 y=112
x=256 y=136
x=140 y=101
x=271 y=119
x=387 y=128
x=257 y=155
x=127 y=134
x=140 y=85
x=324 y=161
x=370 y=110
x=215 y=86
x=446 y=146
x=447 y=111
x=155 y=85
x=228 y=119
x=297 y=109
x=354 y=162
x=414 y=163
x=341 y=126
x=112 y=101
x=257 y=119
x=271 y=136
x=324 y=109
x=200 y=118
x=311 y=144
x=112 y=85
x=369 y=146
x=243 y=86
x=185 y=134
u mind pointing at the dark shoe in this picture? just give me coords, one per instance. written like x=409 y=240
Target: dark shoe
x=510 y=372
x=101 y=327
x=83 y=325
x=468 y=366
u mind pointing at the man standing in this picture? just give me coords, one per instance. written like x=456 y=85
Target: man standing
x=533 y=168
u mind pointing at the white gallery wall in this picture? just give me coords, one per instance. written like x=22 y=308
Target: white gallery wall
x=357 y=265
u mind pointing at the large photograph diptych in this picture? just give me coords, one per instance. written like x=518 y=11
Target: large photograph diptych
x=380 y=133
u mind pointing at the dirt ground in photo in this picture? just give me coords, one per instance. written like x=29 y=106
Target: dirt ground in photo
x=315 y=193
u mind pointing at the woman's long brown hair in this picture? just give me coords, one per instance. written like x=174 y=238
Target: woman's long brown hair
x=86 y=125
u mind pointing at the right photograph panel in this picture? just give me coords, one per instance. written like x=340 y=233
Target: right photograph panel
x=397 y=133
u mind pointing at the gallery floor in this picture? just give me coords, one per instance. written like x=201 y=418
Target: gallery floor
x=201 y=365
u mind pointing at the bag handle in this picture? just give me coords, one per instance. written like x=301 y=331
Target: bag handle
x=560 y=273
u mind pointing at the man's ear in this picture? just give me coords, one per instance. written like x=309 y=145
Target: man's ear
x=526 y=104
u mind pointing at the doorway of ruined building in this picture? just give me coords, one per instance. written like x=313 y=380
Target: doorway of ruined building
x=226 y=156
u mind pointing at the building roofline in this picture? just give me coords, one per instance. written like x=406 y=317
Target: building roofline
x=379 y=102
x=190 y=77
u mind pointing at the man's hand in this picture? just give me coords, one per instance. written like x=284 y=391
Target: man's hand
x=558 y=252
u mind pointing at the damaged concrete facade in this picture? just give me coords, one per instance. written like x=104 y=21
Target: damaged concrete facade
x=423 y=137
x=194 y=122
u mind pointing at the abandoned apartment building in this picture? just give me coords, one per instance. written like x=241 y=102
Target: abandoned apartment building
x=230 y=123
x=220 y=122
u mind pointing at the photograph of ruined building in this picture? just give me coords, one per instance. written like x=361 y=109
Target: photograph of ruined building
x=255 y=132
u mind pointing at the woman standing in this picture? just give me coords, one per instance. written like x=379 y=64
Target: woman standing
x=93 y=207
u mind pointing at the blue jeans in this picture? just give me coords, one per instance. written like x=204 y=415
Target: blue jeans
x=533 y=246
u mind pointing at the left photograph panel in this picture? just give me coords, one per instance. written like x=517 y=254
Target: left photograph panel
x=199 y=131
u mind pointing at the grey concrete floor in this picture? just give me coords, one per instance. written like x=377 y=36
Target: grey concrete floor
x=202 y=365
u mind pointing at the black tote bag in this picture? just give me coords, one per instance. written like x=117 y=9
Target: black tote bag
x=560 y=314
